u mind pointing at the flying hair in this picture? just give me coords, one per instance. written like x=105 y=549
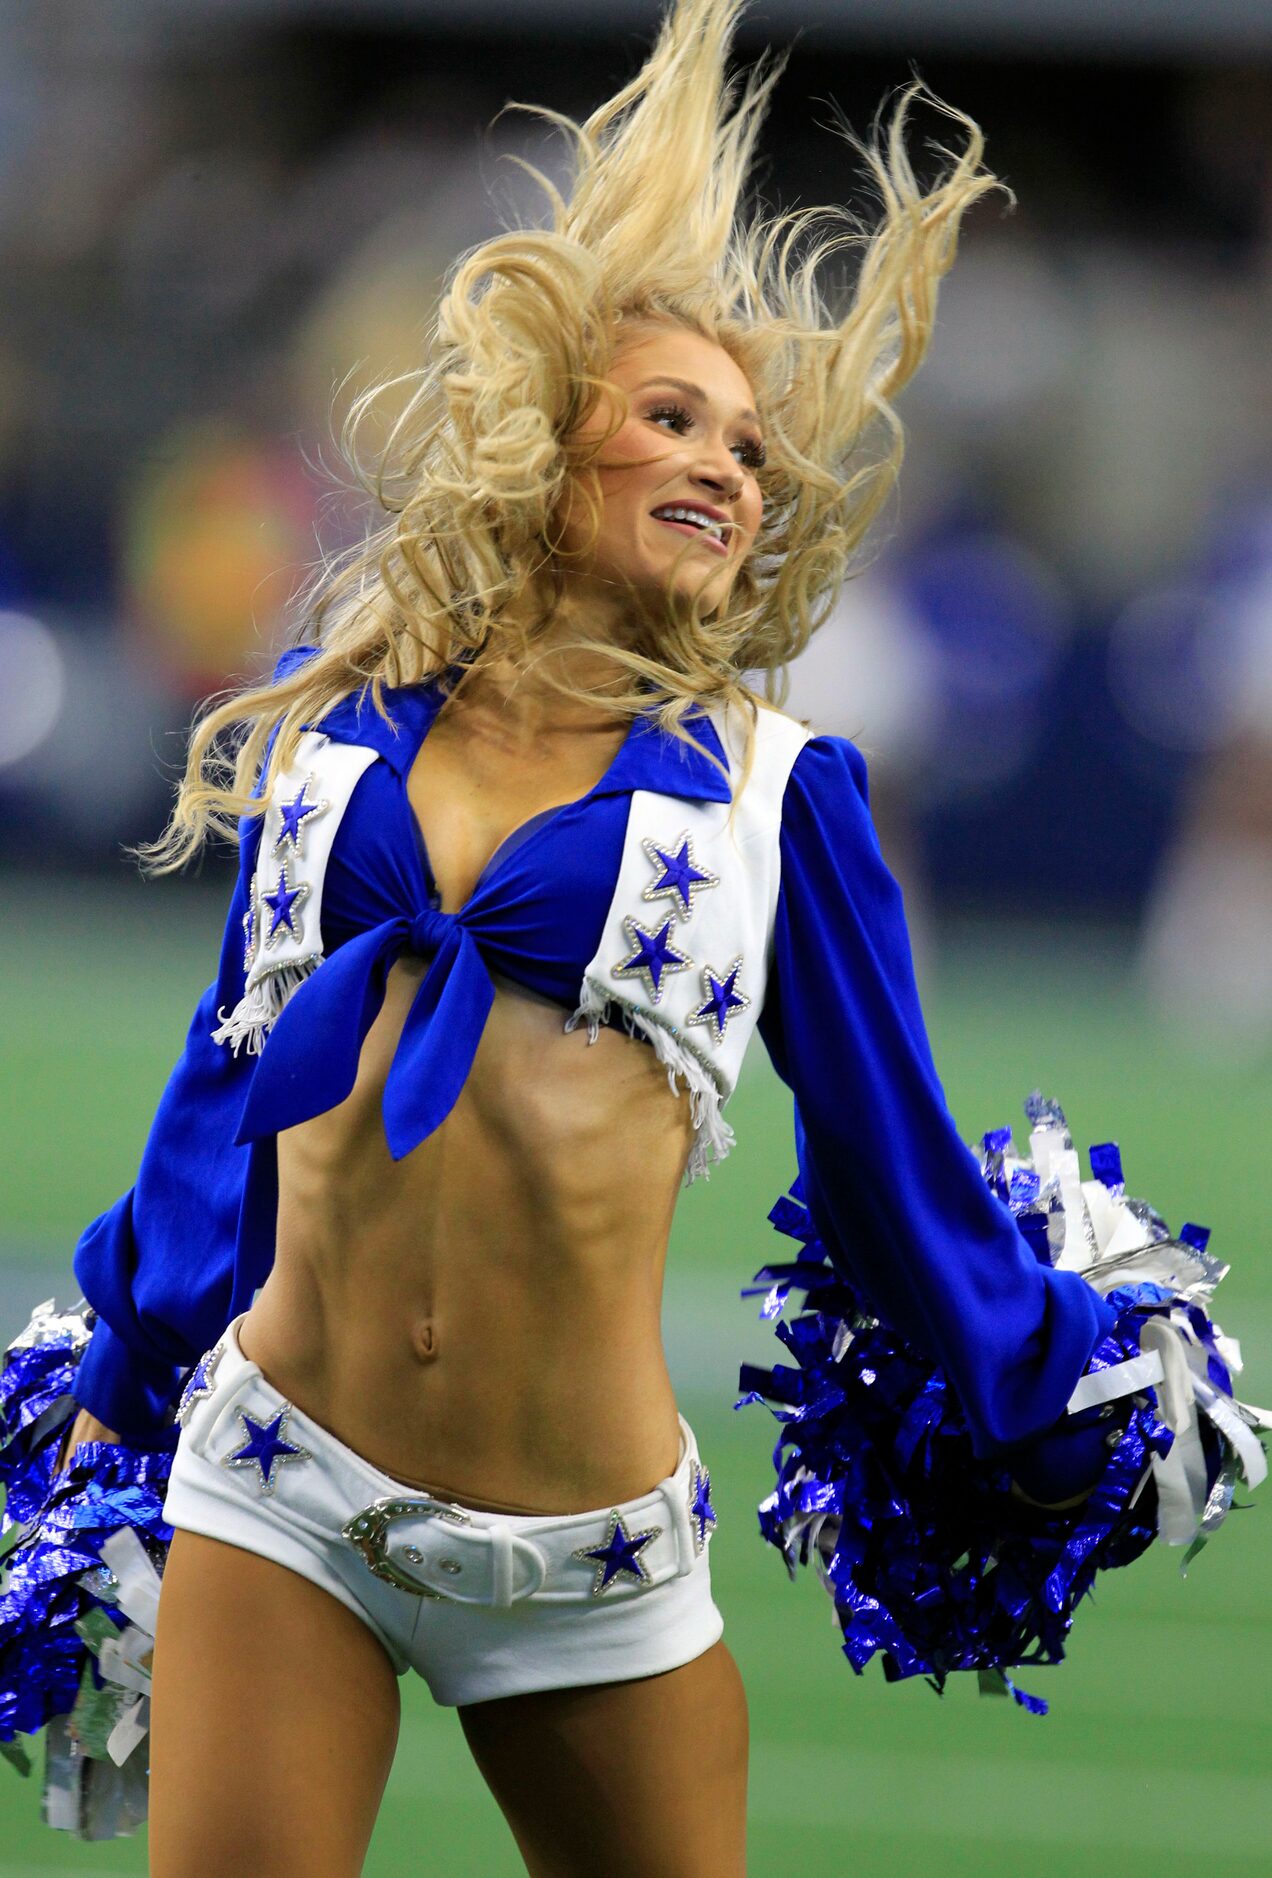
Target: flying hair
x=460 y=565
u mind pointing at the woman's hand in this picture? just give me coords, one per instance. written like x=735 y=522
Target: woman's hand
x=85 y=1427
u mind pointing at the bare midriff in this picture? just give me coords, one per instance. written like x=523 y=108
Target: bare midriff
x=482 y=1318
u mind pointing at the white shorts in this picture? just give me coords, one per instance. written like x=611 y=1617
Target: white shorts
x=480 y=1604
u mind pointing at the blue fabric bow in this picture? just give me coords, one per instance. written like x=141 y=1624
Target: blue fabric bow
x=310 y=1060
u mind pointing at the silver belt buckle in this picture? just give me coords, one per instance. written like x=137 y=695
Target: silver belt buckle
x=368 y=1531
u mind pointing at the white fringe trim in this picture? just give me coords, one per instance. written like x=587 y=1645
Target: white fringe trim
x=261 y=1005
x=714 y=1137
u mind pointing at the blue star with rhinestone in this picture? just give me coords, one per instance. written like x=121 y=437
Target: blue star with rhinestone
x=652 y=956
x=265 y=1446
x=702 y=1515
x=199 y=1383
x=723 y=999
x=620 y=1553
x=284 y=904
x=680 y=877
x=293 y=815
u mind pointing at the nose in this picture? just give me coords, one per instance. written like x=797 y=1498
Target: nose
x=726 y=482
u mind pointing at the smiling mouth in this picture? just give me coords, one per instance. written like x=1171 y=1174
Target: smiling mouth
x=695 y=533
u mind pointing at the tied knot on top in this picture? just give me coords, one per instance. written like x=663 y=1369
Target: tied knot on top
x=430 y=929
x=311 y=1058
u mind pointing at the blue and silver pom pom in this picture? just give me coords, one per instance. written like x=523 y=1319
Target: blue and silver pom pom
x=934 y=1560
x=79 y=1587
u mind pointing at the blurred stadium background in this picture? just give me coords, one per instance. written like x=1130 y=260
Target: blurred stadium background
x=217 y=217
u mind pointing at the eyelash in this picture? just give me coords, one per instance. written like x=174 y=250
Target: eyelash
x=755 y=455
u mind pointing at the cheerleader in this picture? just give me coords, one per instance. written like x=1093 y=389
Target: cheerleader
x=523 y=861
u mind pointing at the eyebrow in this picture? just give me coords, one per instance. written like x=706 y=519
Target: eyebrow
x=693 y=391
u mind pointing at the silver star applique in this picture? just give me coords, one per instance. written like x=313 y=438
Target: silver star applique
x=295 y=817
x=679 y=876
x=652 y=957
x=722 y=999
x=199 y=1383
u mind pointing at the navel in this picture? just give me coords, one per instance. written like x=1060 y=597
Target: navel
x=424 y=1340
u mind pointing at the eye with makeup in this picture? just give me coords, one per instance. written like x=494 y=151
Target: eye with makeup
x=752 y=454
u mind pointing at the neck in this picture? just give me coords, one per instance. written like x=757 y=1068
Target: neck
x=526 y=686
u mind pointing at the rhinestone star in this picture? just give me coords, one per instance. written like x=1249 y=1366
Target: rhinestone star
x=199 y=1382
x=680 y=877
x=294 y=815
x=723 y=999
x=652 y=955
x=284 y=904
x=702 y=1515
x=265 y=1446
x=620 y=1553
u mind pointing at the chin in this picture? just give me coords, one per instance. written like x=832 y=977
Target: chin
x=712 y=598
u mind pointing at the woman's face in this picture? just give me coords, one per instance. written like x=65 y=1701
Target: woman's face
x=692 y=442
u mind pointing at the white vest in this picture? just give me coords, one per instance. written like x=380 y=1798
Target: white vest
x=687 y=943
x=700 y=1014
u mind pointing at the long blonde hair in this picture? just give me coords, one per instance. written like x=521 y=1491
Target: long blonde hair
x=463 y=570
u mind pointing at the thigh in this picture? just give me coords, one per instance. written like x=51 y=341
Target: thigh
x=626 y=1778
x=273 y=1721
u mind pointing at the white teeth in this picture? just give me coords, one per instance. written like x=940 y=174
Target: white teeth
x=705 y=522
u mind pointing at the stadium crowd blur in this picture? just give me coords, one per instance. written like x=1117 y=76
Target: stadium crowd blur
x=1060 y=653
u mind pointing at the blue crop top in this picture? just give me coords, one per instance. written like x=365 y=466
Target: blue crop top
x=895 y=1192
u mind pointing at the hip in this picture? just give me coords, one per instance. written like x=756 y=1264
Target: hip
x=481 y=1603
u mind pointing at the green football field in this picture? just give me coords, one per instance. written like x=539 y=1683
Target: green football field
x=1155 y=1757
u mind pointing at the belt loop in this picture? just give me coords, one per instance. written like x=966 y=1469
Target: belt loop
x=219 y=1408
x=500 y=1566
x=688 y=1446
x=676 y=1498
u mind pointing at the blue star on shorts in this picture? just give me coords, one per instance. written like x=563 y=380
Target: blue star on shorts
x=702 y=1515
x=652 y=956
x=265 y=1446
x=199 y=1382
x=620 y=1553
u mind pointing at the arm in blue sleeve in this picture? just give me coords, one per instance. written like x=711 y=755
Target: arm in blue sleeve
x=895 y=1193
x=159 y=1268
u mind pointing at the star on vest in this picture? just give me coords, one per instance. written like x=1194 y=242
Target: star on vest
x=652 y=955
x=715 y=861
x=300 y=824
x=723 y=998
x=294 y=815
x=284 y=905
x=679 y=877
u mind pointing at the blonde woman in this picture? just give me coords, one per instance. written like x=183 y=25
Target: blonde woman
x=524 y=860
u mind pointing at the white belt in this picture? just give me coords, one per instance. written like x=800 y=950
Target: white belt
x=435 y=1549
x=439 y=1550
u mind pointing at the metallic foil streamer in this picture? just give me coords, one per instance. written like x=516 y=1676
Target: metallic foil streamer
x=78 y=1587
x=933 y=1562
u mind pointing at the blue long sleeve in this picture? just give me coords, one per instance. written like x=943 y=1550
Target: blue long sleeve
x=184 y=1249
x=895 y=1193
x=159 y=1267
